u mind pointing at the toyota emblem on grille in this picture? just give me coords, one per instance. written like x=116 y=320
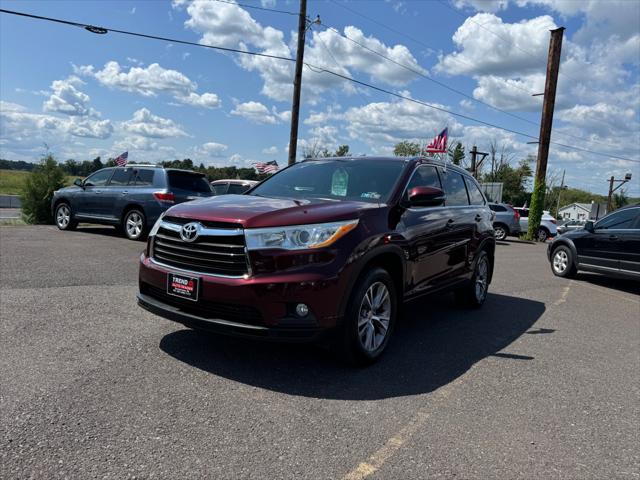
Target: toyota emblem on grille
x=190 y=231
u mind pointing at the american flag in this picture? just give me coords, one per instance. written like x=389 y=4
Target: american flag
x=268 y=167
x=439 y=143
x=121 y=161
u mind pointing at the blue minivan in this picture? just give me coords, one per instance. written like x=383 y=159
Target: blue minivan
x=130 y=198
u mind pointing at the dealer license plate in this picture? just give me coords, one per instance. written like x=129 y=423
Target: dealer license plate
x=183 y=286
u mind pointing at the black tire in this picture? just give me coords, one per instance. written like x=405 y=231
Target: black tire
x=474 y=294
x=134 y=224
x=562 y=262
x=543 y=234
x=361 y=324
x=501 y=231
x=63 y=217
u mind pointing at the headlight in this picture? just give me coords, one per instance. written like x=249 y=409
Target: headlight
x=298 y=237
x=156 y=225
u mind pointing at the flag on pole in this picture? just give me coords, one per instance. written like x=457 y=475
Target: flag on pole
x=121 y=161
x=439 y=143
x=268 y=167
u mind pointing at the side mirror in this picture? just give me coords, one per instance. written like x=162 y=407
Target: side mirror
x=426 y=197
x=78 y=183
x=589 y=226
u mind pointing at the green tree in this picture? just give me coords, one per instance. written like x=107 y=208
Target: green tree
x=407 y=149
x=456 y=155
x=97 y=164
x=514 y=181
x=342 y=151
x=46 y=178
x=620 y=199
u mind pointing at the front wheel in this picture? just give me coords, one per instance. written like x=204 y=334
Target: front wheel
x=134 y=224
x=370 y=318
x=64 y=218
x=475 y=293
x=562 y=264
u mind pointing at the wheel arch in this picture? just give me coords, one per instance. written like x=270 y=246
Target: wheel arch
x=564 y=242
x=391 y=259
x=131 y=206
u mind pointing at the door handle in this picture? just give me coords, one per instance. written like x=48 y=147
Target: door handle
x=125 y=193
x=478 y=217
x=97 y=191
x=613 y=237
x=450 y=222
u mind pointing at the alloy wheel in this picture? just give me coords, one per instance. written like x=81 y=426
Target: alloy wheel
x=482 y=278
x=134 y=225
x=63 y=216
x=560 y=261
x=374 y=316
x=542 y=235
x=500 y=233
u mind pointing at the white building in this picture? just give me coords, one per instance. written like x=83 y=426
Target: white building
x=575 y=211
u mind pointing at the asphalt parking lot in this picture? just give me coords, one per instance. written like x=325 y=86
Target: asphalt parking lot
x=542 y=382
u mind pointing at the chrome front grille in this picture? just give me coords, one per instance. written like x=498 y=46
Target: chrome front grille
x=216 y=251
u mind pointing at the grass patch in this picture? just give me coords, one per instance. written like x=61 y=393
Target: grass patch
x=12 y=181
x=11 y=222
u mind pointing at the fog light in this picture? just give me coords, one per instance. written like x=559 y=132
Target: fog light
x=302 y=310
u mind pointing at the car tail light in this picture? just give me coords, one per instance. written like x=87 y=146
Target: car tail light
x=516 y=214
x=553 y=221
x=165 y=196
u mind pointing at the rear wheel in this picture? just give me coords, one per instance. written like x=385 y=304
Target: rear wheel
x=500 y=231
x=134 y=224
x=562 y=264
x=475 y=293
x=370 y=318
x=543 y=234
x=64 y=218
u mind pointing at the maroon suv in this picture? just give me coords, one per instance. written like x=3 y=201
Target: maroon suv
x=326 y=247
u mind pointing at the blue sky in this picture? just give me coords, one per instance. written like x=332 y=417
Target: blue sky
x=85 y=95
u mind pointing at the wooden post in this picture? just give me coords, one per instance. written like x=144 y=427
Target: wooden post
x=297 y=83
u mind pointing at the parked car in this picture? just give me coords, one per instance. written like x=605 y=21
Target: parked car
x=610 y=246
x=570 y=225
x=130 y=198
x=326 y=248
x=506 y=222
x=228 y=187
x=548 y=227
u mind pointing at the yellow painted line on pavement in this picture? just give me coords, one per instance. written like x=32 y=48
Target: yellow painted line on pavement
x=393 y=444
x=563 y=296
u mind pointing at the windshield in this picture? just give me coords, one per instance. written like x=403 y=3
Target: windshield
x=361 y=180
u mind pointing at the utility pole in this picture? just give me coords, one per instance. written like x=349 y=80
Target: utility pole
x=612 y=180
x=559 y=194
x=475 y=164
x=553 y=67
x=297 y=83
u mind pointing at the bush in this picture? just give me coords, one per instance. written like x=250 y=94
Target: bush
x=46 y=178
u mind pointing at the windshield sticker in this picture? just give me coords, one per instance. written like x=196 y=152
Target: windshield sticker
x=374 y=195
x=339 y=181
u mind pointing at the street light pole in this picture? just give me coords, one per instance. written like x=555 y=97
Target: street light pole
x=559 y=194
x=612 y=180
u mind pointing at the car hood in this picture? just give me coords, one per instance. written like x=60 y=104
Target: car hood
x=252 y=211
x=69 y=189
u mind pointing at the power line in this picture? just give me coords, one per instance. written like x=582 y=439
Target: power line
x=442 y=84
x=256 y=7
x=427 y=77
x=403 y=34
x=103 y=30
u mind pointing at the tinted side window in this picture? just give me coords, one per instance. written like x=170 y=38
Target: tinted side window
x=192 y=182
x=237 y=189
x=121 y=176
x=219 y=188
x=497 y=208
x=143 y=178
x=454 y=188
x=475 y=195
x=99 y=179
x=523 y=212
x=619 y=220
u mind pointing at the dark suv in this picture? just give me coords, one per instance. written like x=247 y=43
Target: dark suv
x=130 y=198
x=326 y=247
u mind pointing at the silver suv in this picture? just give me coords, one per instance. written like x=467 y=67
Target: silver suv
x=548 y=227
x=506 y=221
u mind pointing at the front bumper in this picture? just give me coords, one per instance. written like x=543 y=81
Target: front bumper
x=261 y=307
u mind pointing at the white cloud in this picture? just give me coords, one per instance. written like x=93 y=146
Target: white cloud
x=229 y=25
x=255 y=112
x=145 y=124
x=150 y=81
x=491 y=6
x=66 y=98
x=270 y=150
x=211 y=149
